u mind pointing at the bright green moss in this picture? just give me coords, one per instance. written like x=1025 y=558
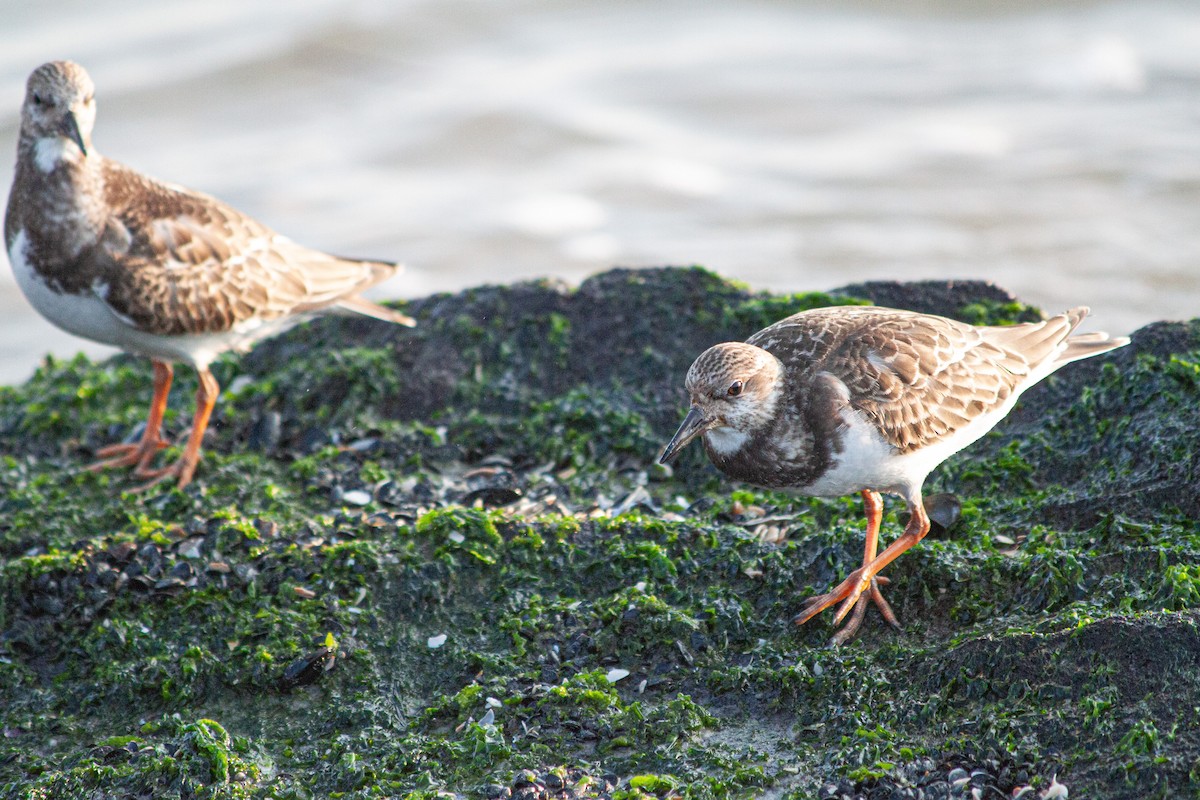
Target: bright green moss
x=762 y=310
x=993 y=312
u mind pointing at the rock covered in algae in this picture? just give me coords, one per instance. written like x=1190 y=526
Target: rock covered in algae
x=604 y=627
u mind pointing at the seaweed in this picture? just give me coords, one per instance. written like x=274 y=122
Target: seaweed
x=443 y=562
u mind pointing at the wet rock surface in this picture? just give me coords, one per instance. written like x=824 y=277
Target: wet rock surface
x=444 y=560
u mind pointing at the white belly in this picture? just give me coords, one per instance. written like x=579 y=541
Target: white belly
x=868 y=462
x=89 y=316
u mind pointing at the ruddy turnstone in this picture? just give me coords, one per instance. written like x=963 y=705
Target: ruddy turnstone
x=112 y=255
x=862 y=399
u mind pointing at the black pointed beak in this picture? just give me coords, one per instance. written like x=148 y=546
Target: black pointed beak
x=70 y=129
x=694 y=424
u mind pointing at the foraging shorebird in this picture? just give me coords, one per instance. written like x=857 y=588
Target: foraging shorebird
x=155 y=269
x=862 y=399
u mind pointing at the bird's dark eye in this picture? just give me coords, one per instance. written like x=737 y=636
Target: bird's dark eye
x=735 y=389
x=37 y=99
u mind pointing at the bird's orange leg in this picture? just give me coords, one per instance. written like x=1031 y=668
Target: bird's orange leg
x=873 y=506
x=863 y=583
x=185 y=467
x=141 y=454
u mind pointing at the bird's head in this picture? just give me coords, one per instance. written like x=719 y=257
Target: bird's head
x=734 y=389
x=59 y=112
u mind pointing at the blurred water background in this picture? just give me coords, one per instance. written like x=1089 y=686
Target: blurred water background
x=1050 y=146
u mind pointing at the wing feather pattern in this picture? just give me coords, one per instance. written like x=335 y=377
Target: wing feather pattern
x=921 y=378
x=182 y=262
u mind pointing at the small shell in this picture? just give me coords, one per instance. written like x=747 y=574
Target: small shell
x=307 y=669
x=1057 y=791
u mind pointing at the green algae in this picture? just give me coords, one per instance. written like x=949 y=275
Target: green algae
x=987 y=311
x=1052 y=631
x=167 y=757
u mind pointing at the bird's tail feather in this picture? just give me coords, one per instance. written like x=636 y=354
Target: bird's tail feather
x=1052 y=339
x=1090 y=344
x=361 y=305
x=1084 y=345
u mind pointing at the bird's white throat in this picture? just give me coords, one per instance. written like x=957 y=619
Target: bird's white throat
x=50 y=151
x=725 y=440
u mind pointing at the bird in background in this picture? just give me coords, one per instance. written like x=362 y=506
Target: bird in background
x=112 y=255
x=841 y=400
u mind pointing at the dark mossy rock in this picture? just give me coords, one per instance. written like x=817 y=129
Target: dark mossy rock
x=442 y=561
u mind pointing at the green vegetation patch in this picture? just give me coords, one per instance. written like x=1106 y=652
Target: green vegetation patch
x=443 y=562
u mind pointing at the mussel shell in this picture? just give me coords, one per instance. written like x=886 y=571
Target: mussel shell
x=307 y=669
x=944 y=510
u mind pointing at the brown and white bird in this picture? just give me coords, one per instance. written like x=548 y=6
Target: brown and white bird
x=862 y=399
x=112 y=255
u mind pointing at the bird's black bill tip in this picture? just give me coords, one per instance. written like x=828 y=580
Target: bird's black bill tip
x=70 y=129
x=692 y=426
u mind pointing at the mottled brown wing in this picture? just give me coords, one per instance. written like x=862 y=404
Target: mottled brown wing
x=922 y=378
x=184 y=262
x=919 y=377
